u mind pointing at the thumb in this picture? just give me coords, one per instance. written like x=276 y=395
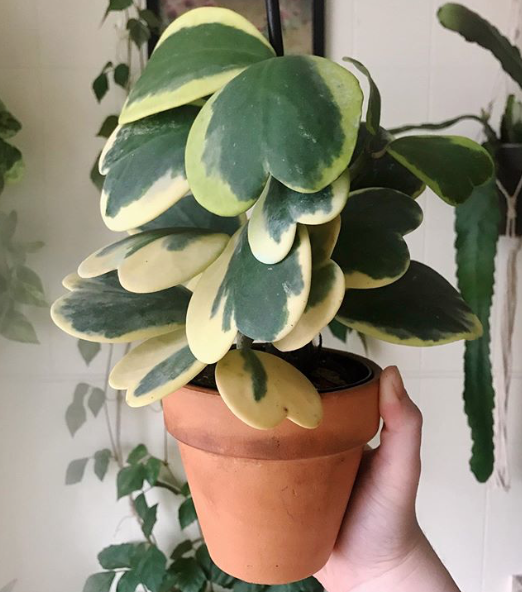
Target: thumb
x=399 y=452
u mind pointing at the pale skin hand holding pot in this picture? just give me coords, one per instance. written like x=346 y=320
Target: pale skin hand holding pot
x=381 y=546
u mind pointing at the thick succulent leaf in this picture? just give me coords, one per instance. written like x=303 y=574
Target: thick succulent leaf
x=235 y=143
x=371 y=250
x=373 y=112
x=273 y=224
x=237 y=292
x=155 y=368
x=326 y=295
x=156 y=259
x=187 y=213
x=419 y=309
x=452 y=166
x=477 y=226
x=263 y=390
x=99 y=309
x=323 y=239
x=385 y=171
x=196 y=55
x=478 y=30
x=144 y=164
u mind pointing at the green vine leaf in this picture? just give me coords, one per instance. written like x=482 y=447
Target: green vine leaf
x=27 y=287
x=152 y=470
x=477 y=225
x=181 y=549
x=9 y=125
x=102 y=458
x=138 y=31
x=130 y=479
x=147 y=514
x=138 y=453
x=121 y=78
x=187 y=513
x=188 y=575
x=373 y=113
x=307 y=585
x=108 y=126
x=75 y=471
x=100 y=86
x=88 y=350
x=99 y=582
x=121 y=556
x=150 y=18
x=75 y=414
x=116 y=5
x=96 y=400
x=151 y=569
x=16 y=327
x=339 y=330
x=128 y=582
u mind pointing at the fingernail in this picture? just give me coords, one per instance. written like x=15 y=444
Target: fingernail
x=398 y=384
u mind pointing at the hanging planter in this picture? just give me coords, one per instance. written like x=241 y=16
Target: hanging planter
x=271 y=426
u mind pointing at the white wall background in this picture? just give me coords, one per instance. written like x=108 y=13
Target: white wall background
x=50 y=51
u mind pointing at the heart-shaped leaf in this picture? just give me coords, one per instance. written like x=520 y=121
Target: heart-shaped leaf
x=451 y=166
x=373 y=112
x=187 y=213
x=326 y=290
x=419 y=309
x=144 y=164
x=99 y=309
x=155 y=368
x=273 y=224
x=235 y=143
x=237 y=292
x=196 y=55
x=371 y=250
x=156 y=259
x=263 y=390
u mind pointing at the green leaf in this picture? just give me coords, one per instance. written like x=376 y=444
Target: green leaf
x=99 y=582
x=370 y=249
x=211 y=570
x=373 y=113
x=134 y=195
x=16 y=327
x=100 y=86
x=121 y=78
x=156 y=368
x=150 y=18
x=137 y=454
x=11 y=162
x=130 y=479
x=147 y=514
x=187 y=213
x=204 y=560
x=419 y=309
x=152 y=470
x=511 y=127
x=109 y=124
x=151 y=569
x=452 y=166
x=138 y=31
x=181 y=549
x=185 y=489
x=339 y=330
x=197 y=55
x=188 y=575
x=235 y=143
x=240 y=586
x=119 y=4
x=102 y=459
x=477 y=226
x=476 y=29
x=307 y=585
x=99 y=309
x=88 y=350
x=187 y=513
x=96 y=400
x=120 y=556
x=75 y=471
x=75 y=414
x=95 y=176
x=235 y=292
x=9 y=125
x=28 y=287
x=128 y=582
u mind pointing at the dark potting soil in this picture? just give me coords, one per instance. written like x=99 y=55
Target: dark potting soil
x=327 y=369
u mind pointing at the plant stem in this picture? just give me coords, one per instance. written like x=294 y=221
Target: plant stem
x=106 y=407
x=244 y=342
x=275 y=31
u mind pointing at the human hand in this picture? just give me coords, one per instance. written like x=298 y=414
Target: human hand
x=380 y=547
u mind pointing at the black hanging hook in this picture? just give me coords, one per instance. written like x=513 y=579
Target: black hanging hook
x=275 y=30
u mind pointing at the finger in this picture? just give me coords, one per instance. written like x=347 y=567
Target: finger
x=401 y=433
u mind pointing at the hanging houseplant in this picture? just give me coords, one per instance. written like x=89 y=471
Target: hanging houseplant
x=217 y=125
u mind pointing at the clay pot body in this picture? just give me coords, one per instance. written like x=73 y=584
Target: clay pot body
x=270 y=503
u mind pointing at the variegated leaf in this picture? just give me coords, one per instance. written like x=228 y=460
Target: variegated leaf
x=99 y=309
x=235 y=143
x=419 y=309
x=452 y=166
x=196 y=55
x=187 y=213
x=156 y=368
x=237 y=292
x=144 y=164
x=273 y=224
x=156 y=259
x=263 y=390
x=371 y=250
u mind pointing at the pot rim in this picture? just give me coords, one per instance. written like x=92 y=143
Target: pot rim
x=373 y=369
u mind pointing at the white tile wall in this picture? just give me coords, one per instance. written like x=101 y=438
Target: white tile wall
x=49 y=53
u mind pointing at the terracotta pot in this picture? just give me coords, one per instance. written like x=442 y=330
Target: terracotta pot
x=270 y=503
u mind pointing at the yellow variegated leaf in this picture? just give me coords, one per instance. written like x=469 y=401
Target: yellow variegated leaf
x=263 y=390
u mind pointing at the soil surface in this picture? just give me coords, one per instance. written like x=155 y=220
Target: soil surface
x=327 y=369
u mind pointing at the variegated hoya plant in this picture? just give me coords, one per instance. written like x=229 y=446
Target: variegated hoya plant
x=216 y=126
